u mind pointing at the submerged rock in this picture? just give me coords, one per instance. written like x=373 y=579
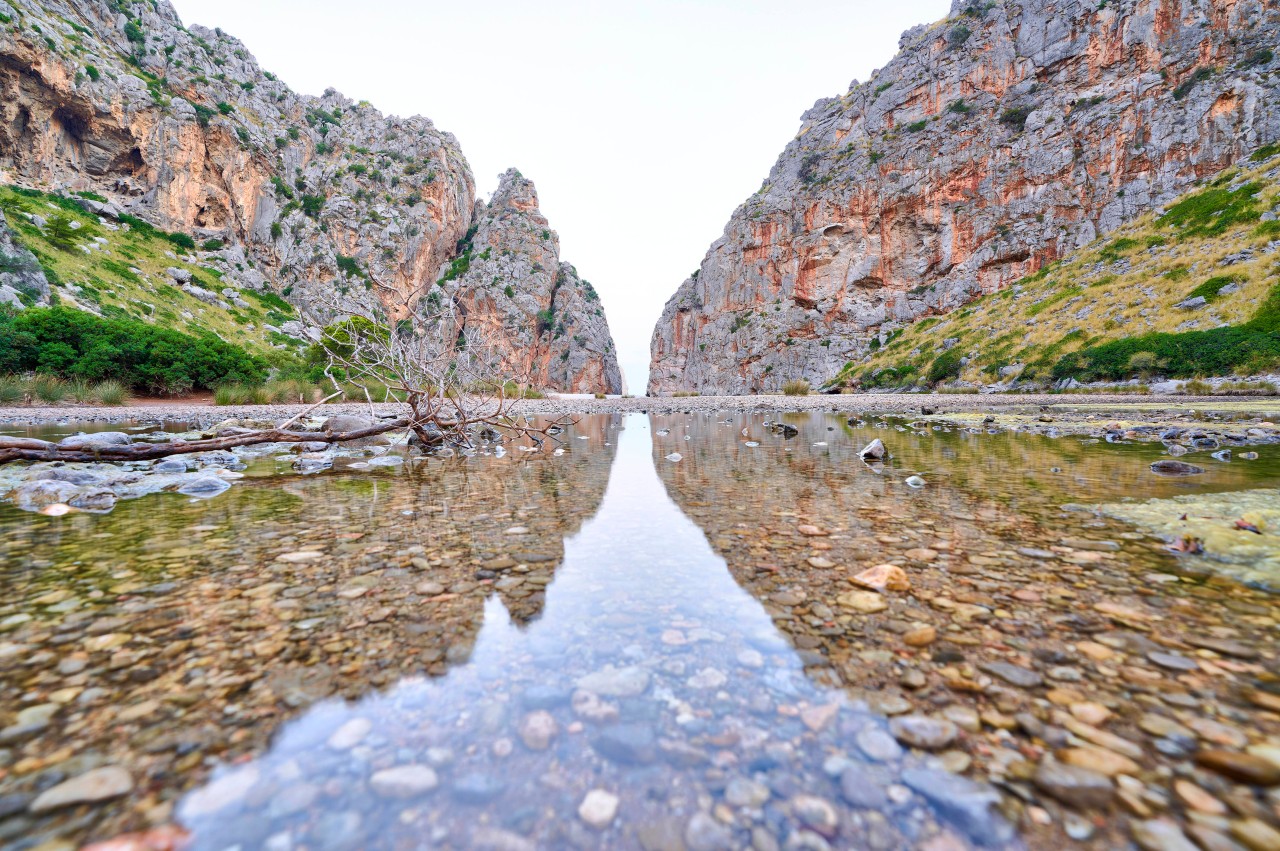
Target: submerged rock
x=32 y=496
x=100 y=784
x=1168 y=467
x=204 y=486
x=969 y=805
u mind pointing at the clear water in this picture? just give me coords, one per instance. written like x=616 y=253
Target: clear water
x=421 y=677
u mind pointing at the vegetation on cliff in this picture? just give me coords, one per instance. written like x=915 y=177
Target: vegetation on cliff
x=66 y=343
x=1193 y=289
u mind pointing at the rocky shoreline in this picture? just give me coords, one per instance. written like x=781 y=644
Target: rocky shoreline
x=1066 y=408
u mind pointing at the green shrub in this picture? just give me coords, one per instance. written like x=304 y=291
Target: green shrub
x=509 y=291
x=1252 y=346
x=1187 y=85
x=350 y=266
x=1264 y=153
x=1117 y=248
x=12 y=390
x=111 y=393
x=1212 y=211
x=181 y=240
x=958 y=35
x=225 y=108
x=212 y=245
x=1258 y=57
x=133 y=32
x=1143 y=363
x=79 y=390
x=459 y=267
x=945 y=367
x=917 y=126
x=71 y=343
x=92 y=73
x=229 y=394
x=59 y=232
x=1016 y=117
x=270 y=300
x=312 y=205
x=48 y=388
x=1210 y=289
x=1268 y=230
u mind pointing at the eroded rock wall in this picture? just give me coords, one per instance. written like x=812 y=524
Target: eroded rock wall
x=182 y=128
x=311 y=197
x=548 y=322
x=996 y=141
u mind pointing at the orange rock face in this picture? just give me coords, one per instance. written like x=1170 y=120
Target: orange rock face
x=308 y=196
x=997 y=141
x=231 y=159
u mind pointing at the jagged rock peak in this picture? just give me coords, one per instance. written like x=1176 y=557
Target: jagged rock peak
x=515 y=191
x=555 y=331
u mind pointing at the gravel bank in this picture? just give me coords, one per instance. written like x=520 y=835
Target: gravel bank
x=1149 y=408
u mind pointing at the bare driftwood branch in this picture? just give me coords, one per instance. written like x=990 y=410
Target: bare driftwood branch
x=151 y=451
x=415 y=349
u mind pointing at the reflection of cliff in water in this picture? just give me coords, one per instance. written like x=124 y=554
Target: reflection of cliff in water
x=220 y=618
x=651 y=675
x=985 y=535
x=1005 y=468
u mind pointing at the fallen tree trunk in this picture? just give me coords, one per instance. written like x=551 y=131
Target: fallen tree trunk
x=29 y=449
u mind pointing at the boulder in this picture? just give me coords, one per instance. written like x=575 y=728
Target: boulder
x=96 y=440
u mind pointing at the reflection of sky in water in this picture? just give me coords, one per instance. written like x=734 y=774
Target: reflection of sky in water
x=643 y=598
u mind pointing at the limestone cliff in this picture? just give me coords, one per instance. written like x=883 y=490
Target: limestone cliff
x=119 y=103
x=996 y=141
x=516 y=287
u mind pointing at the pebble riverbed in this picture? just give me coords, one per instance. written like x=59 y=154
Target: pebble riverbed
x=683 y=631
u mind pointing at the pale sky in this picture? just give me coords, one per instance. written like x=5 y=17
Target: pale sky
x=643 y=124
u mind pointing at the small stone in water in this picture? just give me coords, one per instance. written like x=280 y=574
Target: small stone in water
x=704 y=833
x=1169 y=467
x=538 y=729
x=598 y=808
x=350 y=734
x=1074 y=786
x=100 y=784
x=920 y=637
x=743 y=792
x=1013 y=674
x=675 y=456
x=1246 y=768
x=873 y=451
x=915 y=482
x=884 y=577
x=403 y=781
x=816 y=813
x=921 y=731
x=878 y=744
x=1173 y=661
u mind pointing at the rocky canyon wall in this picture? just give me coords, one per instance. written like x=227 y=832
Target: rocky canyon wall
x=120 y=103
x=996 y=141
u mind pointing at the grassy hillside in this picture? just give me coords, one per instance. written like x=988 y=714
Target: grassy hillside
x=119 y=270
x=1111 y=311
